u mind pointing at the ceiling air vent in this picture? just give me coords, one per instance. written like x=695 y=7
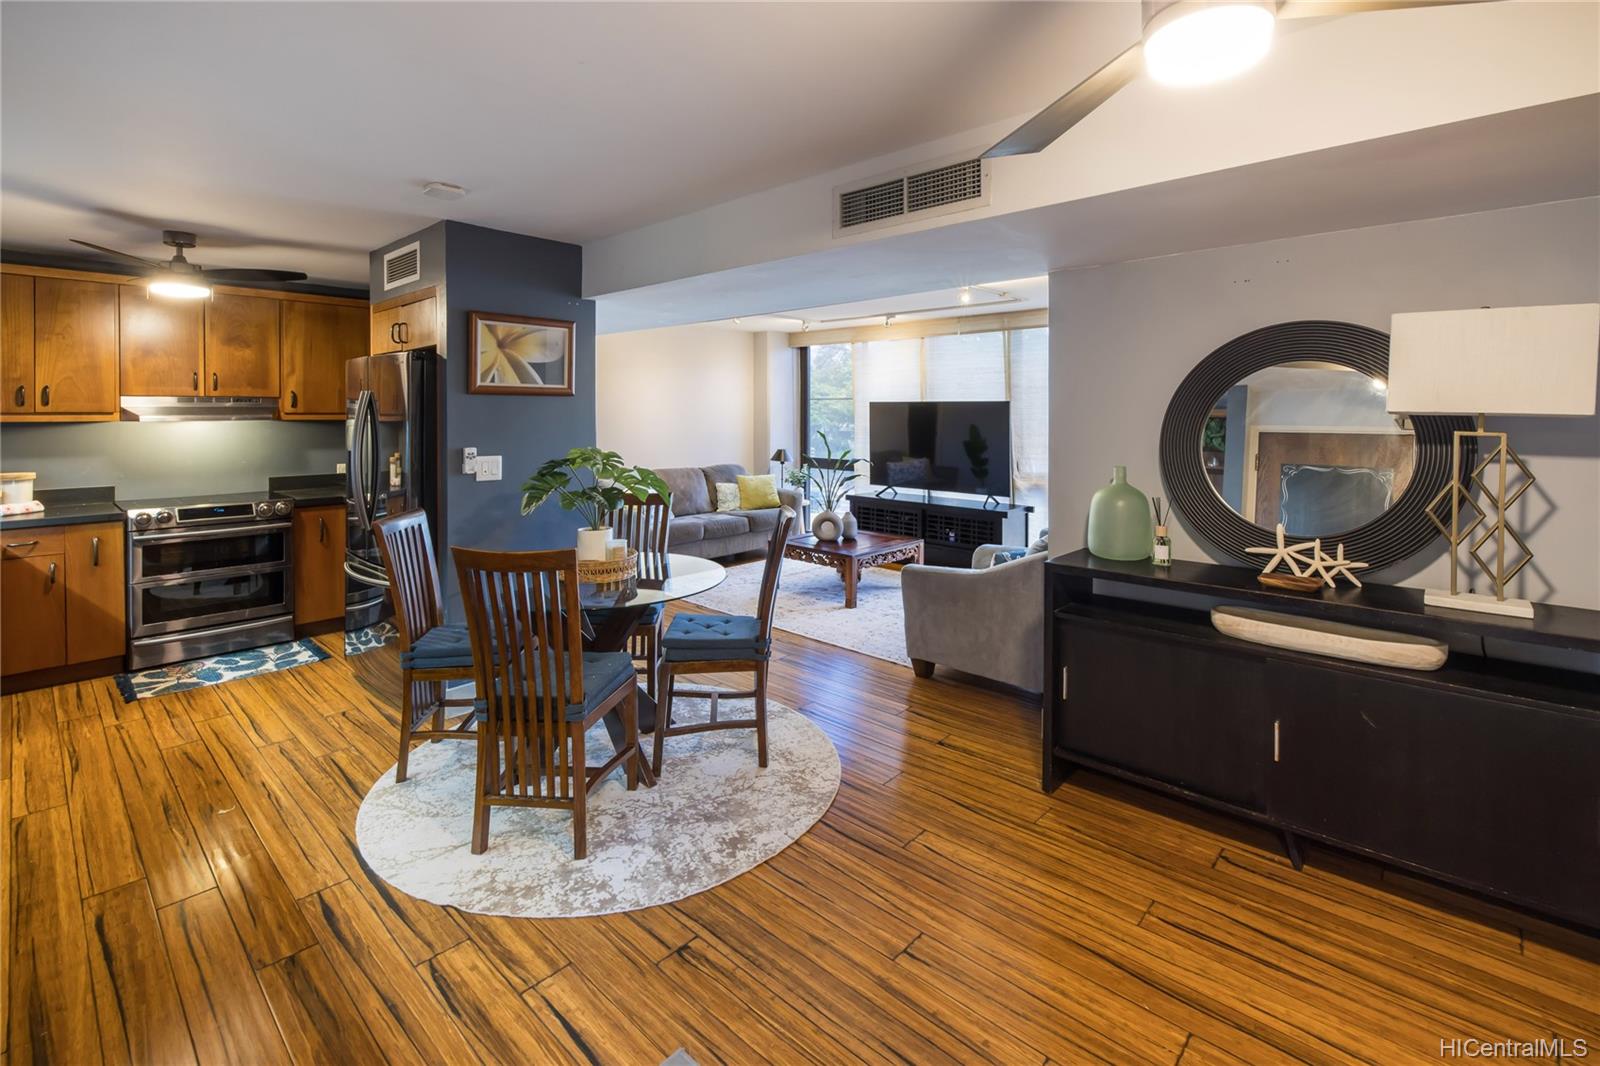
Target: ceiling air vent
x=402 y=265
x=945 y=185
x=920 y=192
x=872 y=204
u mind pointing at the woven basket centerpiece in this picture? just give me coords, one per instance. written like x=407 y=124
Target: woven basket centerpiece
x=602 y=571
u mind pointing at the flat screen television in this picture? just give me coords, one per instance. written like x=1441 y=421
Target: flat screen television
x=949 y=446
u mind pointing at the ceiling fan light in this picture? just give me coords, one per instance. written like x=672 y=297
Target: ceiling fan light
x=1197 y=44
x=179 y=289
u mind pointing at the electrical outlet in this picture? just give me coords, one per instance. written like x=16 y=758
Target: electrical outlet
x=469 y=460
x=339 y=468
x=488 y=468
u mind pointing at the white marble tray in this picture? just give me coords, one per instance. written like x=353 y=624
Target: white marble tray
x=1335 y=639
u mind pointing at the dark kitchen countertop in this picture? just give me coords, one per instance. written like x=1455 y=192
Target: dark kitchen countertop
x=68 y=507
x=311 y=495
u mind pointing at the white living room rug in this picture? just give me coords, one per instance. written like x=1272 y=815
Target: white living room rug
x=712 y=815
x=811 y=603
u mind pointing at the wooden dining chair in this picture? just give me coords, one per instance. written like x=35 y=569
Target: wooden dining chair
x=432 y=654
x=538 y=689
x=643 y=524
x=720 y=644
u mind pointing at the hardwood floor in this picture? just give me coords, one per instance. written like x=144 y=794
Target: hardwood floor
x=183 y=886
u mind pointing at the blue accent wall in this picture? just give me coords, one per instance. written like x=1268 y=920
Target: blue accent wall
x=502 y=273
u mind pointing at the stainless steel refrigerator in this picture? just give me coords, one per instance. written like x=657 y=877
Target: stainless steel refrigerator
x=391 y=428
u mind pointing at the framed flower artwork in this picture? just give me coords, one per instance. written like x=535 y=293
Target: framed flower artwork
x=520 y=356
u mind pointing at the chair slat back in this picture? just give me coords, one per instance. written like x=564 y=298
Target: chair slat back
x=527 y=653
x=643 y=524
x=774 y=567
x=406 y=547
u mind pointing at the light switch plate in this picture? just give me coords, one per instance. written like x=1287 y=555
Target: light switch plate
x=488 y=468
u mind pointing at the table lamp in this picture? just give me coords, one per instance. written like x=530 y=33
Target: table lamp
x=1504 y=361
x=781 y=457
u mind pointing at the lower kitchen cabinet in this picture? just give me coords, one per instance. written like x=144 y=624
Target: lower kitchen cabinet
x=63 y=597
x=318 y=564
x=97 y=591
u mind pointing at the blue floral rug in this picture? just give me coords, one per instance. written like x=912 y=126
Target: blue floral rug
x=376 y=635
x=179 y=677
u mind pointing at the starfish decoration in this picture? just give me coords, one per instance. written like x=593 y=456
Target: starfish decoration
x=1341 y=567
x=1295 y=557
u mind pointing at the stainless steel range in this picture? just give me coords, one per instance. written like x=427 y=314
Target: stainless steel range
x=208 y=575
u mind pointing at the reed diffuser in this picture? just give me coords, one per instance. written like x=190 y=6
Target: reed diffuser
x=1161 y=551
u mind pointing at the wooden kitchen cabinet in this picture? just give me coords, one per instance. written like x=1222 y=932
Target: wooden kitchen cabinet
x=63 y=596
x=318 y=339
x=16 y=344
x=33 y=610
x=242 y=346
x=162 y=345
x=74 y=347
x=97 y=591
x=405 y=326
x=319 y=564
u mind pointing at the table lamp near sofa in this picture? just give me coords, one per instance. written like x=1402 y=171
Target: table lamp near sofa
x=1521 y=361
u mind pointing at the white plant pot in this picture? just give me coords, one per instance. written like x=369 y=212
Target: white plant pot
x=592 y=543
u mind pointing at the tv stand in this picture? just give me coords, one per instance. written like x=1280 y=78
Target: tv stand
x=951 y=527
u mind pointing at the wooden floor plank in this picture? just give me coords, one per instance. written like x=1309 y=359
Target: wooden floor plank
x=398 y=1007
x=102 y=838
x=318 y=1021
x=169 y=851
x=499 y=1025
x=37 y=780
x=50 y=1016
x=136 y=997
x=227 y=1014
x=247 y=877
x=608 y=1034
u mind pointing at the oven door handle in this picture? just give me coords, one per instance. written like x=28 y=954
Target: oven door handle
x=364 y=574
x=219 y=573
x=142 y=539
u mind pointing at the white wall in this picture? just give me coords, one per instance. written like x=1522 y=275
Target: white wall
x=683 y=396
x=1123 y=336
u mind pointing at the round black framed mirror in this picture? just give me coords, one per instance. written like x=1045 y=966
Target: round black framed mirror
x=1288 y=424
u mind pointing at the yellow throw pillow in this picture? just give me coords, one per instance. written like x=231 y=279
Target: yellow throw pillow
x=727 y=496
x=758 y=491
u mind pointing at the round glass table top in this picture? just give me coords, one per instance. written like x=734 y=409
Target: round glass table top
x=661 y=578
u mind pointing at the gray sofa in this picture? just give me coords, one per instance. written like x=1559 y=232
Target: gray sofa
x=988 y=622
x=697 y=528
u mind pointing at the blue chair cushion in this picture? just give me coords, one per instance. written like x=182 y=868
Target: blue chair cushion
x=713 y=636
x=440 y=648
x=648 y=617
x=604 y=672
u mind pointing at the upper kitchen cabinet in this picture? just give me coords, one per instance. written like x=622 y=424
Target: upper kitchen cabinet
x=410 y=321
x=60 y=360
x=162 y=351
x=241 y=345
x=16 y=344
x=318 y=339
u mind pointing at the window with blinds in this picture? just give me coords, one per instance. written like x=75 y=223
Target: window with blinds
x=844 y=379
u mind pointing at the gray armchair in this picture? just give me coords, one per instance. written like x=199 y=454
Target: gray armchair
x=988 y=622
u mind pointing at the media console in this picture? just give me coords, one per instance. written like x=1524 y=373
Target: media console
x=1485 y=773
x=951 y=527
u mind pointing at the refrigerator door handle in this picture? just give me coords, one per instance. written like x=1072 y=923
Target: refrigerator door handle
x=363 y=573
x=359 y=470
x=377 y=459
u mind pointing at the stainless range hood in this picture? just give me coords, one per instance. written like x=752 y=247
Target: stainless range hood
x=197 y=408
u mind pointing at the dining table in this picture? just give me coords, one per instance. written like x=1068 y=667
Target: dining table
x=611 y=610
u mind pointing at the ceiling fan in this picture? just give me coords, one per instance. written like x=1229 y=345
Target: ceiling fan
x=1186 y=43
x=177 y=277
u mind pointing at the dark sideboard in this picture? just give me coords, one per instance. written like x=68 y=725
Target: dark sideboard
x=1484 y=774
x=951 y=527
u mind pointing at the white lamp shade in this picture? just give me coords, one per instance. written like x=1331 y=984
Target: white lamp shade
x=1497 y=360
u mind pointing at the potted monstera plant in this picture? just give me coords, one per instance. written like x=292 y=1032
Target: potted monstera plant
x=593 y=482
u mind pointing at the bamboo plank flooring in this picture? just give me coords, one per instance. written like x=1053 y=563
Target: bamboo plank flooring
x=182 y=886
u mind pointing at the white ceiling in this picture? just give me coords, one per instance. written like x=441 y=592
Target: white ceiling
x=985 y=298
x=298 y=135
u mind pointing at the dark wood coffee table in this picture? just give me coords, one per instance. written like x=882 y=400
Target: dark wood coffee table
x=851 y=557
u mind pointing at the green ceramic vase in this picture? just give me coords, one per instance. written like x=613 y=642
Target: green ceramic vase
x=1120 y=523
